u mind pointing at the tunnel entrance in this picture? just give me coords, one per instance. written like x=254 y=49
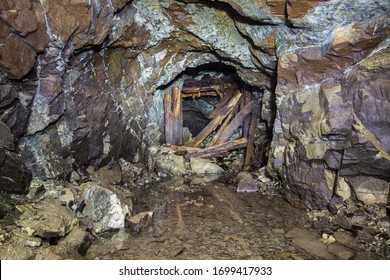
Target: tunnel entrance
x=218 y=114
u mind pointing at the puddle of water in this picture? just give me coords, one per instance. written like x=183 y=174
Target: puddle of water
x=210 y=220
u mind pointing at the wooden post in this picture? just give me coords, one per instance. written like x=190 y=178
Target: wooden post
x=177 y=116
x=250 y=149
x=245 y=125
x=216 y=121
x=173 y=117
x=168 y=118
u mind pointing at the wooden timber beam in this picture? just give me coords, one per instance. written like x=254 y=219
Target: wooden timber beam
x=216 y=121
x=250 y=149
x=173 y=117
x=225 y=99
x=218 y=150
x=236 y=122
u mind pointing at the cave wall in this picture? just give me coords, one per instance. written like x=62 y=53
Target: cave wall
x=81 y=84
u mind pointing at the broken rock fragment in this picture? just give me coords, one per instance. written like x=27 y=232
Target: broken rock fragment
x=140 y=221
x=246 y=184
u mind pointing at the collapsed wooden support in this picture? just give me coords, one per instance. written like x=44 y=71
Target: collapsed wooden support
x=235 y=110
x=213 y=151
x=215 y=122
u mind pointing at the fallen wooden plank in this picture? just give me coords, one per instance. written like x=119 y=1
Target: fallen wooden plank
x=215 y=122
x=218 y=150
x=222 y=128
x=236 y=122
x=199 y=94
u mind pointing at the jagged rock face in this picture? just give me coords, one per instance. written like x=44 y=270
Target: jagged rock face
x=82 y=83
x=331 y=133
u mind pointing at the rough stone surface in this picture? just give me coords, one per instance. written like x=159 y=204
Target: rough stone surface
x=169 y=163
x=14 y=177
x=371 y=191
x=47 y=219
x=204 y=166
x=323 y=127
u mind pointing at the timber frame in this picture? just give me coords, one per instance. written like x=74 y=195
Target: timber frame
x=235 y=109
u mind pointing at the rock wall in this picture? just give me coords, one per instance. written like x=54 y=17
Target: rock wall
x=82 y=82
x=331 y=134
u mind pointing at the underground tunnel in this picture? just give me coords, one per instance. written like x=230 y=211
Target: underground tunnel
x=177 y=129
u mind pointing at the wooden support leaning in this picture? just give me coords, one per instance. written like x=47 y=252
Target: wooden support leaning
x=225 y=99
x=236 y=122
x=168 y=118
x=216 y=121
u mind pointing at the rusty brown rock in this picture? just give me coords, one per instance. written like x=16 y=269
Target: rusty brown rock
x=23 y=21
x=39 y=38
x=16 y=57
x=119 y=4
x=299 y=8
x=68 y=16
x=278 y=8
x=348 y=46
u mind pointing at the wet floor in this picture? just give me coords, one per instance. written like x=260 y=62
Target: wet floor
x=212 y=221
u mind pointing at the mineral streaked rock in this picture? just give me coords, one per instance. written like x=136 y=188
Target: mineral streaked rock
x=169 y=163
x=101 y=67
x=104 y=207
x=321 y=115
x=14 y=176
x=370 y=191
x=204 y=166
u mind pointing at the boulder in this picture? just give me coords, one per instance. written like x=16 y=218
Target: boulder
x=46 y=219
x=14 y=176
x=103 y=207
x=370 y=191
x=204 y=166
x=169 y=163
x=246 y=183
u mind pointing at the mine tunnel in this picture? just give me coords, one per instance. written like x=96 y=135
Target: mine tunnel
x=211 y=114
x=180 y=129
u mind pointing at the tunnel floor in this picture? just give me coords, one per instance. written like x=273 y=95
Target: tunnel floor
x=211 y=221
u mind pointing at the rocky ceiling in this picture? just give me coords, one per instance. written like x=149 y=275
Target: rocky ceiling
x=80 y=85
